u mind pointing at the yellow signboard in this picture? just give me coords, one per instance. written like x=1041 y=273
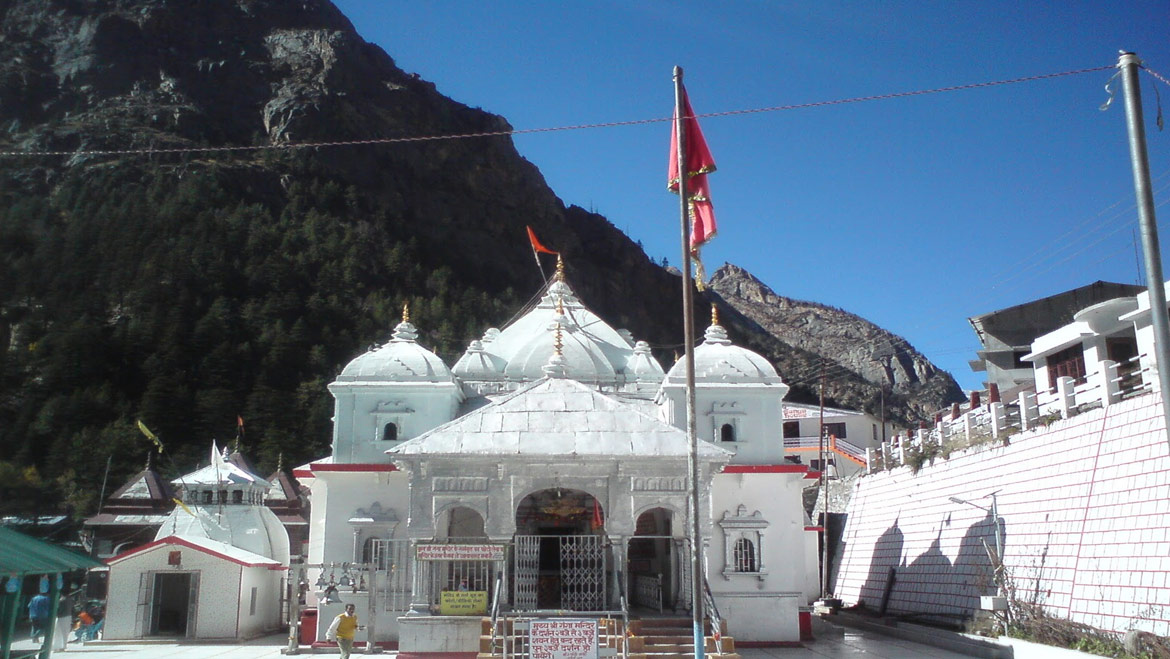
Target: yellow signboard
x=463 y=602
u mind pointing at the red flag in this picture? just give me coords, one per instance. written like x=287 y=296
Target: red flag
x=597 y=521
x=239 y=426
x=699 y=163
x=536 y=246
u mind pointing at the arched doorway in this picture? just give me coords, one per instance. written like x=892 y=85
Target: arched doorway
x=561 y=552
x=651 y=565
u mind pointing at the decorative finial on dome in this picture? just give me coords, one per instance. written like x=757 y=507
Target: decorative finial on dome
x=406 y=312
x=560 y=308
x=149 y=459
x=560 y=276
x=280 y=462
x=714 y=315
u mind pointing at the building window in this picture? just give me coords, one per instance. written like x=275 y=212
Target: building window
x=835 y=429
x=743 y=543
x=252 y=603
x=791 y=429
x=207 y=497
x=744 y=555
x=1068 y=363
x=237 y=496
x=1018 y=360
x=726 y=433
x=390 y=432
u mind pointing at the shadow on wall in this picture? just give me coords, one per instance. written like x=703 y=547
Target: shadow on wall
x=931 y=585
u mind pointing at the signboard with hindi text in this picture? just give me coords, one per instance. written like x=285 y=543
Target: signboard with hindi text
x=463 y=603
x=563 y=638
x=460 y=552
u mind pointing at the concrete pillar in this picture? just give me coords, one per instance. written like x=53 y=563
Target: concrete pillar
x=998 y=419
x=869 y=460
x=1066 y=396
x=1029 y=412
x=1110 y=387
x=967 y=420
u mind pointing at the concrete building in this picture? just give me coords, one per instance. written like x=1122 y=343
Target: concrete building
x=1006 y=335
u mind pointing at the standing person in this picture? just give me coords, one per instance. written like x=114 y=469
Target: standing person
x=342 y=629
x=38 y=614
x=64 y=622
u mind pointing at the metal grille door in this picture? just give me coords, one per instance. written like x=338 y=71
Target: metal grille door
x=527 y=571
x=582 y=573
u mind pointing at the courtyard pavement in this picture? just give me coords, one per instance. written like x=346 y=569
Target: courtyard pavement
x=834 y=643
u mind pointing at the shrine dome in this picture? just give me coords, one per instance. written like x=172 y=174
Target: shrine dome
x=717 y=360
x=401 y=359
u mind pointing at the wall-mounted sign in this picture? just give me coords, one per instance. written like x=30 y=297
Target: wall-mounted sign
x=463 y=603
x=563 y=638
x=460 y=552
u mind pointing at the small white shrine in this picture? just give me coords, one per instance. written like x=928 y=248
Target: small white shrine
x=547 y=469
x=216 y=567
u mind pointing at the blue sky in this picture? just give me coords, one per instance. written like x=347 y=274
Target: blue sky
x=915 y=213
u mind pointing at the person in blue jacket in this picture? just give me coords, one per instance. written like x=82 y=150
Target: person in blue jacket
x=38 y=614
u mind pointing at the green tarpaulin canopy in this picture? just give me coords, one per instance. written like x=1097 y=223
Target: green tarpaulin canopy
x=21 y=555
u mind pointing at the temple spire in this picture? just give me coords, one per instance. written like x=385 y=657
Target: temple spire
x=560 y=275
x=714 y=315
x=406 y=312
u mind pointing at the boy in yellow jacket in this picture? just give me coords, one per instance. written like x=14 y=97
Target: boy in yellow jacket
x=342 y=629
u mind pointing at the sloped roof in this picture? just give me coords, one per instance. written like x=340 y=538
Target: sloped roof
x=146 y=484
x=206 y=546
x=556 y=417
x=21 y=554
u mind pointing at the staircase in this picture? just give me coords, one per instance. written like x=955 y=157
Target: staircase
x=647 y=638
x=673 y=638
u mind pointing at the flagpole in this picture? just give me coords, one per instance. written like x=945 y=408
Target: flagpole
x=689 y=342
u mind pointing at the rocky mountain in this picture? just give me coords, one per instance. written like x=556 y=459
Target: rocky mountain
x=171 y=252
x=848 y=343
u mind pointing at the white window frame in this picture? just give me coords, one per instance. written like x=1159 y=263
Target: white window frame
x=743 y=526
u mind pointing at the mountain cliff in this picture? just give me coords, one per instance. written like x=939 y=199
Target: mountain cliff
x=170 y=253
x=848 y=343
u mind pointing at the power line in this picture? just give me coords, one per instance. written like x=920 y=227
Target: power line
x=291 y=146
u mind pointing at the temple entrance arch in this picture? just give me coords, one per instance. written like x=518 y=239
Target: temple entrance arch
x=652 y=563
x=561 y=552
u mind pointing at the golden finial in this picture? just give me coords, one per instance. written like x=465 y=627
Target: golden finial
x=280 y=462
x=406 y=312
x=560 y=276
x=558 y=341
x=560 y=306
x=714 y=315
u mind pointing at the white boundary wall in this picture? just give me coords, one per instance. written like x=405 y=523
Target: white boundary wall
x=1085 y=510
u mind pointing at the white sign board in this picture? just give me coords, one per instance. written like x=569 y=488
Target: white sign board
x=461 y=552
x=563 y=638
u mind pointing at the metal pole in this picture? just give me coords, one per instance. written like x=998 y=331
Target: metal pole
x=824 y=494
x=689 y=341
x=294 y=612
x=1128 y=63
x=372 y=610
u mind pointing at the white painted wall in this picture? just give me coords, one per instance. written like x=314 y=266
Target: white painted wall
x=267 y=616
x=1085 y=511
x=763 y=607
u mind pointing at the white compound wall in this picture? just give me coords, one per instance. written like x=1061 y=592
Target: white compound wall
x=1085 y=519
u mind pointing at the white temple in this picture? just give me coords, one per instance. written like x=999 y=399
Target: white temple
x=216 y=567
x=553 y=457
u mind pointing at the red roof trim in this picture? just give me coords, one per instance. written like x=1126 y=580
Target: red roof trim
x=359 y=467
x=765 y=469
x=176 y=540
x=303 y=473
x=818 y=529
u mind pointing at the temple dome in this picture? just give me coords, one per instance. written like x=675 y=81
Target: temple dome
x=718 y=360
x=592 y=351
x=401 y=359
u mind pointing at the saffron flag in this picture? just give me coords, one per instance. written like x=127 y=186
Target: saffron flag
x=149 y=435
x=239 y=426
x=698 y=162
x=536 y=246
